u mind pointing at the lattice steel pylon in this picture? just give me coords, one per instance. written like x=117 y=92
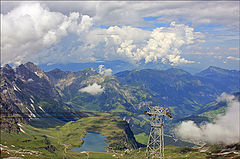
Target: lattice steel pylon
x=155 y=146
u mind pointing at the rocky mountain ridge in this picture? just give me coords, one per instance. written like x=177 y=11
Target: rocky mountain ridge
x=28 y=95
x=32 y=95
x=181 y=91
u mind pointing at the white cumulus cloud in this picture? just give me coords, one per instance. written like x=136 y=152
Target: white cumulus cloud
x=93 y=89
x=225 y=129
x=104 y=71
x=135 y=45
x=30 y=27
x=163 y=44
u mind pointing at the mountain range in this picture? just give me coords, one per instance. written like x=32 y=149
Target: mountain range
x=28 y=94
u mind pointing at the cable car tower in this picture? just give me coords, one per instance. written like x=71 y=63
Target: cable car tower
x=155 y=146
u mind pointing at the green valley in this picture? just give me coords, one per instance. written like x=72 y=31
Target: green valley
x=58 y=142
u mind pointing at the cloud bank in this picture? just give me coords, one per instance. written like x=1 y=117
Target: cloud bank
x=130 y=13
x=32 y=32
x=225 y=129
x=93 y=89
x=138 y=33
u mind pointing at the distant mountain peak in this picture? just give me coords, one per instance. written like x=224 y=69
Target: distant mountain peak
x=56 y=70
x=213 y=70
x=213 y=67
x=31 y=66
x=7 y=66
x=36 y=69
x=178 y=71
x=30 y=63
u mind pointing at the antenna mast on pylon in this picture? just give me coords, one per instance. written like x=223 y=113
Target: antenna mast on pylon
x=155 y=146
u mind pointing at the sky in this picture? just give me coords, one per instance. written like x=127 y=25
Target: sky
x=193 y=34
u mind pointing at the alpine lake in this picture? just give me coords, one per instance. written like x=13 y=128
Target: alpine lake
x=93 y=142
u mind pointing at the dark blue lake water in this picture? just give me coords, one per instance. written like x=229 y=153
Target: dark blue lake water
x=93 y=142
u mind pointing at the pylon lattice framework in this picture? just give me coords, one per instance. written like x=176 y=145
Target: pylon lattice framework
x=155 y=146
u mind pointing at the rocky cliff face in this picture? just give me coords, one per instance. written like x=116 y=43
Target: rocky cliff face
x=10 y=112
x=222 y=151
x=28 y=94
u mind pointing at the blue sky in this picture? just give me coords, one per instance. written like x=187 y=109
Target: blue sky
x=178 y=34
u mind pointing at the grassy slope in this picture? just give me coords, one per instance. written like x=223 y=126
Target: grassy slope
x=33 y=143
x=212 y=114
x=63 y=138
x=172 y=152
x=142 y=138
